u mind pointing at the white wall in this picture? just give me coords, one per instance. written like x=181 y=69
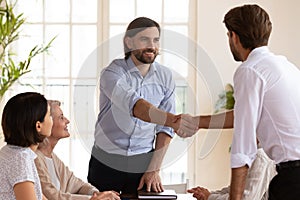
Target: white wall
x=214 y=170
x=3 y=101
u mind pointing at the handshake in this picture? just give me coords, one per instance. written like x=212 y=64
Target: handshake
x=185 y=125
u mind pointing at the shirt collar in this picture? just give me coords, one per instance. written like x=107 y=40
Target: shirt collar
x=258 y=51
x=132 y=68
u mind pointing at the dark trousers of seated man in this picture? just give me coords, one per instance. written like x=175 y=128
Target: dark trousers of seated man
x=286 y=184
x=116 y=172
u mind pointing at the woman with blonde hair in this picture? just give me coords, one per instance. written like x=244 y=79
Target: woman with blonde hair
x=57 y=181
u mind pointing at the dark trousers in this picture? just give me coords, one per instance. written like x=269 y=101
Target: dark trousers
x=286 y=184
x=116 y=172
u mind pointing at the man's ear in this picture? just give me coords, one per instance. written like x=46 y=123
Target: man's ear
x=235 y=37
x=38 y=126
x=128 y=42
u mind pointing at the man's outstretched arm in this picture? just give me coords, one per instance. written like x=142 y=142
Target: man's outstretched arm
x=216 y=121
x=149 y=113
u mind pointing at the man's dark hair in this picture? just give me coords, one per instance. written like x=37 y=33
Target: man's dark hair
x=19 y=118
x=251 y=23
x=136 y=26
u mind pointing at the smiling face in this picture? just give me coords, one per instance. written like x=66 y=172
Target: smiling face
x=144 y=46
x=60 y=123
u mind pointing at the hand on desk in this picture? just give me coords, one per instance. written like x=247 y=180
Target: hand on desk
x=200 y=193
x=106 y=195
x=186 y=125
x=152 y=181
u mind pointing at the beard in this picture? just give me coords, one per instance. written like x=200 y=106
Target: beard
x=145 y=56
x=236 y=57
x=235 y=54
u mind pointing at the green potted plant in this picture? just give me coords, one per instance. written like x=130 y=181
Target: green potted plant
x=10 y=28
x=226 y=99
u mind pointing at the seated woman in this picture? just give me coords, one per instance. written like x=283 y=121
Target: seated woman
x=26 y=121
x=57 y=181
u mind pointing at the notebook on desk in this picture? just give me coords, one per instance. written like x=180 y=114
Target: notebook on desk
x=166 y=194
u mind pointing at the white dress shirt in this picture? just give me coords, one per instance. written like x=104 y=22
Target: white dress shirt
x=267 y=108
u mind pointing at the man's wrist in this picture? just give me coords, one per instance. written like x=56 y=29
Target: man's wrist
x=170 y=121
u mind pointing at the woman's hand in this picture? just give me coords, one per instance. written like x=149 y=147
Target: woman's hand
x=106 y=195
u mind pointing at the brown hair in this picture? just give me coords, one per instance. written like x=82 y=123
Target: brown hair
x=251 y=23
x=136 y=26
x=19 y=118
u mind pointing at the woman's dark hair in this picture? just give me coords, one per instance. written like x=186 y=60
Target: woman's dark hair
x=251 y=23
x=19 y=118
x=137 y=25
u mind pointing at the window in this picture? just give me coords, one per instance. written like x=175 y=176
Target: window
x=86 y=37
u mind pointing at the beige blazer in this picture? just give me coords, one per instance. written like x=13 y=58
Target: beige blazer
x=257 y=183
x=71 y=187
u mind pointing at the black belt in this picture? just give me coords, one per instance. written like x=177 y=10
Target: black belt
x=288 y=165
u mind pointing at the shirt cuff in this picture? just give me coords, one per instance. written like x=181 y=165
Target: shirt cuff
x=218 y=196
x=132 y=103
x=240 y=160
x=165 y=129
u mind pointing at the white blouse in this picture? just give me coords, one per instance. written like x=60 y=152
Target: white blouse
x=52 y=172
x=17 y=166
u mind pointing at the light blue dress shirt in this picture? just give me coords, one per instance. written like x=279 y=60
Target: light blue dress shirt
x=121 y=86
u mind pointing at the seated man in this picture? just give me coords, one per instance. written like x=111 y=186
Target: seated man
x=259 y=176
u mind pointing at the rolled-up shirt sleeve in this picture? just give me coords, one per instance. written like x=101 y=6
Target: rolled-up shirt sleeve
x=121 y=86
x=248 y=93
x=115 y=86
x=168 y=105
